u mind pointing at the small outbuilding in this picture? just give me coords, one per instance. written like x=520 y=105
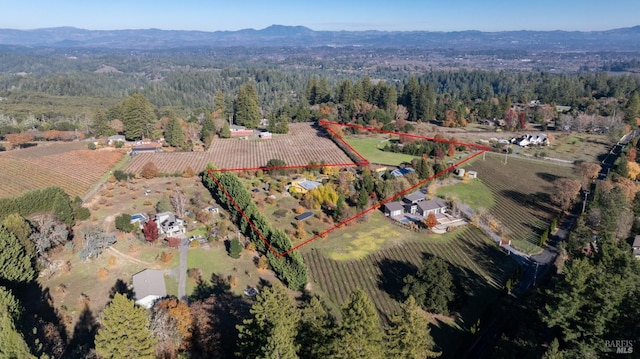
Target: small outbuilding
x=148 y=286
x=303 y=216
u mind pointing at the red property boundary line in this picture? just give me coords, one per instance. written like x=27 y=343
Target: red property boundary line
x=363 y=162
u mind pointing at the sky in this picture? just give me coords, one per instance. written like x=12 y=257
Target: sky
x=353 y=15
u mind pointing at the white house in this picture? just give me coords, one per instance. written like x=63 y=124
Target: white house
x=148 y=286
x=169 y=224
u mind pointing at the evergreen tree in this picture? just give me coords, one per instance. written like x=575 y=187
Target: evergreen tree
x=219 y=104
x=359 y=334
x=633 y=108
x=174 y=134
x=408 y=335
x=15 y=264
x=62 y=209
x=225 y=132
x=100 y=125
x=432 y=286
x=315 y=330
x=20 y=228
x=124 y=331
x=13 y=343
x=208 y=128
x=271 y=330
x=247 y=107
x=138 y=117
x=235 y=248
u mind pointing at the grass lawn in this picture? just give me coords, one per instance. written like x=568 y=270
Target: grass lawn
x=356 y=241
x=217 y=261
x=472 y=192
x=368 y=148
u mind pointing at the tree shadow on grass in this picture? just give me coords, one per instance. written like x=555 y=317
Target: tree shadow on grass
x=549 y=177
x=84 y=334
x=41 y=322
x=215 y=333
x=121 y=287
x=392 y=276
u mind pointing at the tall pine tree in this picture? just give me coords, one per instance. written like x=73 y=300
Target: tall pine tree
x=315 y=330
x=408 y=334
x=359 y=334
x=271 y=331
x=138 y=117
x=13 y=343
x=125 y=331
x=247 y=107
x=15 y=264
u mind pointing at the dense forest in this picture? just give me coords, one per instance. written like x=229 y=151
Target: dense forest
x=37 y=89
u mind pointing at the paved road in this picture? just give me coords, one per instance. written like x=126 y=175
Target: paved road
x=182 y=269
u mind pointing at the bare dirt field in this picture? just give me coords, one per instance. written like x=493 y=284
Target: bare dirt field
x=301 y=145
x=68 y=165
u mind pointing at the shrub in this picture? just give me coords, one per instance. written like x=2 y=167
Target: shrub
x=263 y=263
x=120 y=175
x=149 y=170
x=123 y=223
x=165 y=257
x=103 y=273
x=91 y=146
x=234 y=248
x=194 y=273
x=300 y=210
x=112 y=261
x=173 y=242
x=119 y=144
x=233 y=281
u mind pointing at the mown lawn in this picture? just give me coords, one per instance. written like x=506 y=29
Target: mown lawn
x=216 y=261
x=471 y=192
x=368 y=147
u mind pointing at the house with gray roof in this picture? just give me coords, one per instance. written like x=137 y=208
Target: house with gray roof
x=148 y=286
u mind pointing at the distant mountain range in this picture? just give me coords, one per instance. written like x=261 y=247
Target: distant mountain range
x=624 y=39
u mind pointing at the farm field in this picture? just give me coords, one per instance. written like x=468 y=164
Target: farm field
x=367 y=146
x=574 y=147
x=71 y=166
x=301 y=145
x=521 y=190
x=348 y=260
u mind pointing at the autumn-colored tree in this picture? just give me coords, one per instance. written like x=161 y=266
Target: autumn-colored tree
x=18 y=139
x=588 y=172
x=173 y=242
x=263 y=263
x=451 y=149
x=150 y=231
x=188 y=172
x=565 y=192
x=180 y=315
x=300 y=231
x=431 y=220
x=634 y=170
x=149 y=170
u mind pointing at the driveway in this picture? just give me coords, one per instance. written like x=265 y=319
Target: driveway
x=182 y=269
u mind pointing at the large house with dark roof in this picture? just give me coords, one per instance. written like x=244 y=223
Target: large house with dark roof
x=415 y=204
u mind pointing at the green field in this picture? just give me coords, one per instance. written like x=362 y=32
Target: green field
x=368 y=147
x=471 y=192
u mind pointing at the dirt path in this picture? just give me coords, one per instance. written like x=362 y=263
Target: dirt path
x=132 y=259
